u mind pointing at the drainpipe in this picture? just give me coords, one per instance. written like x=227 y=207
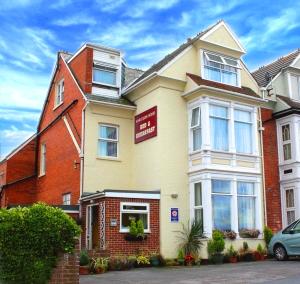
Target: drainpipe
x=263 y=167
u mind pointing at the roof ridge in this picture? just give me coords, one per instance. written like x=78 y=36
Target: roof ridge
x=276 y=60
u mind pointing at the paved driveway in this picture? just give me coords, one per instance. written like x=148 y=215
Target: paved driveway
x=254 y=272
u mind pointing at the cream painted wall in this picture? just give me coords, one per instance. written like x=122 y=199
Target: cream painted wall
x=100 y=174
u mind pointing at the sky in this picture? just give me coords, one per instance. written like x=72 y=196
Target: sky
x=32 y=31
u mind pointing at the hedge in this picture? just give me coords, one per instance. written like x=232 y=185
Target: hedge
x=31 y=239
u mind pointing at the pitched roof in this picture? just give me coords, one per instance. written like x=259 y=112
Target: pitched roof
x=291 y=103
x=242 y=90
x=119 y=101
x=274 y=68
x=163 y=62
x=131 y=74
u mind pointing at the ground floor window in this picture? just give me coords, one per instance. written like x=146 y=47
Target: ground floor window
x=66 y=199
x=134 y=211
x=198 y=207
x=290 y=206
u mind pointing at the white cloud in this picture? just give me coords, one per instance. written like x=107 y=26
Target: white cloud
x=110 y=5
x=79 y=19
x=60 y=4
x=9 y=5
x=19 y=115
x=184 y=20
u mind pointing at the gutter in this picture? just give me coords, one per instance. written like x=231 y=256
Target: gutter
x=236 y=94
x=112 y=104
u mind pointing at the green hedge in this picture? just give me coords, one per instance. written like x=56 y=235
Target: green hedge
x=31 y=239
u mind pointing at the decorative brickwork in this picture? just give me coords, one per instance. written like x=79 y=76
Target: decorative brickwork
x=272 y=185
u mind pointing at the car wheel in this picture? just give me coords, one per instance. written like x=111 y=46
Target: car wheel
x=280 y=253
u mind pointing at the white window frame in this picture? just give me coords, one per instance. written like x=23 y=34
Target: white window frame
x=66 y=198
x=108 y=140
x=43 y=159
x=126 y=230
x=110 y=70
x=289 y=209
x=196 y=127
x=205 y=53
x=60 y=91
x=286 y=142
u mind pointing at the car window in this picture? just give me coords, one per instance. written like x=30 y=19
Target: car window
x=290 y=227
x=296 y=229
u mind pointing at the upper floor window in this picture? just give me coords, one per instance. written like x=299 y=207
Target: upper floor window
x=295 y=87
x=221 y=69
x=43 y=159
x=196 y=128
x=60 y=90
x=219 y=127
x=67 y=199
x=286 y=142
x=243 y=131
x=108 y=141
x=106 y=76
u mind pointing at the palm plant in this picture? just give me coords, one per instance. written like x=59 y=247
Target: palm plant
x=190 y=238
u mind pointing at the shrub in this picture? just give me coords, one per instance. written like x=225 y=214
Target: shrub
x=119 y=263
x=140 y=228
x=142 y=260
x=268 y=234
x=231 y=252
x=260 y=249
x=133 y=229
x=84 y=258
x=217 y=244
x=180 y=254
x=31 y=239
x=190 y=238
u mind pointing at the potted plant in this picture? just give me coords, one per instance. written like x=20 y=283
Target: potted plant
x=84 y=261
x=99 y=265
x=132 y=261
x=189 y=260
x=215 y=247
x=154 y=259
x=229 y=234
x=232 y=254
x=190 y=240
x=180 y=257
x=259 y=253
x=143 y=261
x=268 y=234
x=245 y=253
x=136 y=231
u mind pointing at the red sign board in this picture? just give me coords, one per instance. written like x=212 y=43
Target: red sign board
x=145 y=125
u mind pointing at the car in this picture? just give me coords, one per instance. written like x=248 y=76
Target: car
x=286 y=242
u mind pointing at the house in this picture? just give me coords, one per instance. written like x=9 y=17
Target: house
x=180 y=141
x=280 y=84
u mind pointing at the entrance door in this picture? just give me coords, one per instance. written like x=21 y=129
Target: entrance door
x=93 y=226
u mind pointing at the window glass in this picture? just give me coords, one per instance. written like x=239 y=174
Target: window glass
x=221 y=207
x=286 y=132
x=287 y=151
x=219 y=128
x=195 y=117
x=196 y=139
x=67 y=199
x=289 y=193
x=104 y=76
x=43 y=159
x=108 y=141
x=196 y=129
x=198 y=194
x=134 y=212
x=108 y=132
x=221 y=186
x=246 y=205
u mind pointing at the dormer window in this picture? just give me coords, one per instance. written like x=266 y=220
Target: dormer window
x=60 y=90
x=221 y=69
x=105 y=76
x=295 y=87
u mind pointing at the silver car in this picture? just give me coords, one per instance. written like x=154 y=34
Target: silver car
x=286 y=242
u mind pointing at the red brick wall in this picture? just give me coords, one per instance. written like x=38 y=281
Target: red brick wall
x=82 y=65
x=114 y=240
x=3 y=166
x=272 y=185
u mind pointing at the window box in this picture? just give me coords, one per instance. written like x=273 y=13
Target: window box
x=251 y=234
x=131 y=238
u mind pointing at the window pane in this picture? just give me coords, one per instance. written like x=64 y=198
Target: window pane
x=128 y=217
x=212 y=74
x=134 y=207
x=196 y=139
x=214 y=57
x=287 y=154
x=289 y=197
x=218 y=111
x=221 y=186
x=243 y=137
x=198 y=194
x=229 y=78
x=108 y=149
x=245 y=188
x=286 y=132
x=195 y=117
x=219 y=134
x=199 y=216
x=231 y=61
x=221 y=212
x=246 y=208
x=108 y=132
x=105 y=77
x=241 y=115
x=290 y=217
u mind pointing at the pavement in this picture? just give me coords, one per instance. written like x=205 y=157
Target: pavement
x=269 y=271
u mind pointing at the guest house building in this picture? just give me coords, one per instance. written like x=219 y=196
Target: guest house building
x=180 y=141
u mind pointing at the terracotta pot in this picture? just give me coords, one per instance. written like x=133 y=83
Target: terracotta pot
x=233 y=259
x=84 y=270
x=99 y=270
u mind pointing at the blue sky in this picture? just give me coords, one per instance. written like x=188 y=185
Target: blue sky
x=32 y=31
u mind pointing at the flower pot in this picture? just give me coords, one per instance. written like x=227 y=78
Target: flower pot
x=154 y=261
x=248 y=256
x=258 y=256
x=233 y=259
x=217 y=258
x=180 y=261
x=99 y=270
x=84 y=270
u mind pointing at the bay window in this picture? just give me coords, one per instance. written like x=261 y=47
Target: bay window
x=221 y=204
x=198 y=206
x=290 y=206
x=221 y=69
x=219 y=127
x=108 y=141
x=196 y=128
x=130 y=211
x=243 y=131
x=246 y=205
x=286 y=142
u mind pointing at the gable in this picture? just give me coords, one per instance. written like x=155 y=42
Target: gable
x=296 y=62
x=221 y=35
